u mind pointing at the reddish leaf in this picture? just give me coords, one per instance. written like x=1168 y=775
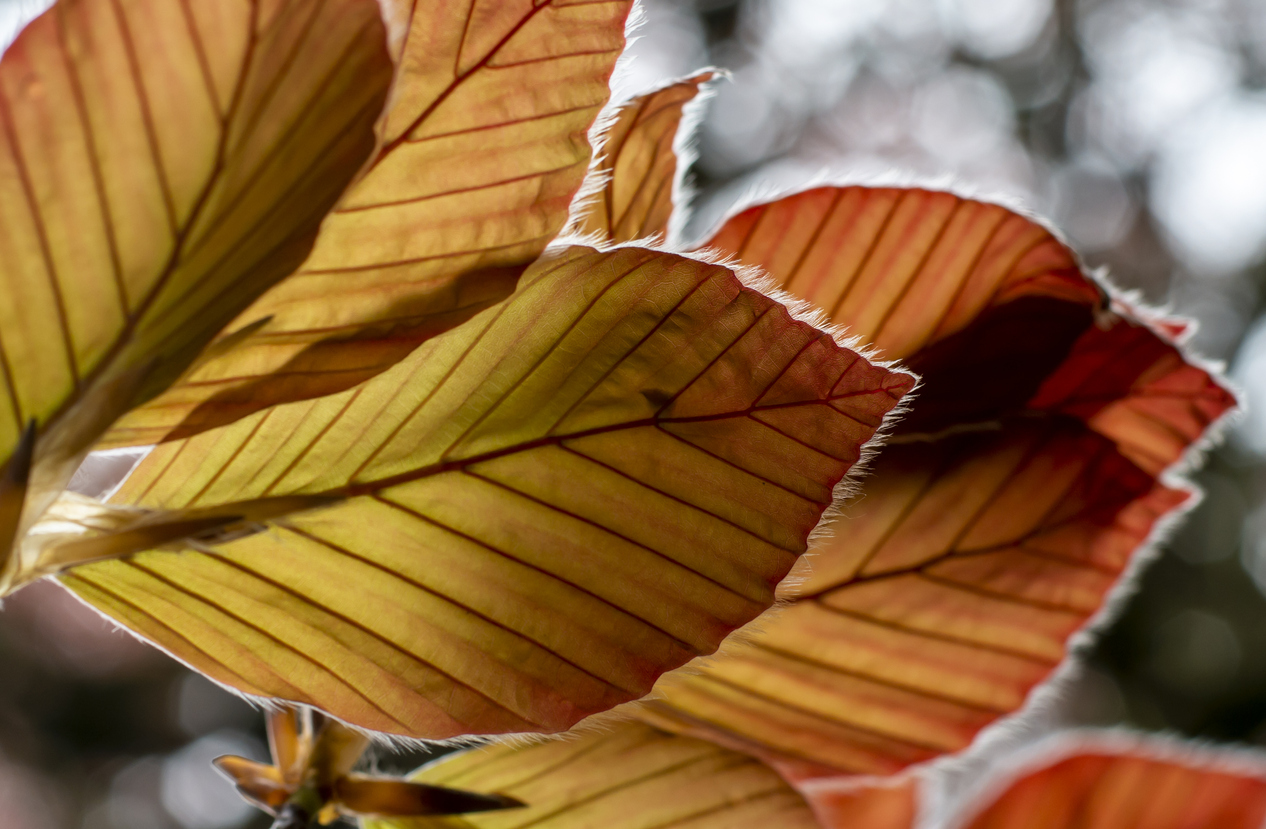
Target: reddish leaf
x=947 y=593
x=1021 y=485
x=1083 y=781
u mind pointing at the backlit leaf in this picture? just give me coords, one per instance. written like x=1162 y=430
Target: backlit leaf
x=1135 y=387
x=640 y=165
x=162 y=163
x=1081 y=780
x=1129 y=792
x=947 y=592
x=630 y=777
x=904 y=268
x=541 y=510
x=483 y=147
x=997 y=520
x=862 y=803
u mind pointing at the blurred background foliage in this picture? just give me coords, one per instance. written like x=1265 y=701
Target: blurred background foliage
x=1137 y=126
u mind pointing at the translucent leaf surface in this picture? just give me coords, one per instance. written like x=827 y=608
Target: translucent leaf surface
x=1090 y=781
x=1125 y=792
x=639 y=165
x=994 y=525
x=541 y=510
x=483 y=147
x=162 y=163
x=630 y=777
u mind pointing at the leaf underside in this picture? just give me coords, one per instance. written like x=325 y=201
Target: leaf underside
x=947 y=593
x=161 y=164
x=483 y=147
x=1022 y=484
x=1118 y=788
x=1128 y=792
x=1019 y=490
x=629 y=777
x=541 y=510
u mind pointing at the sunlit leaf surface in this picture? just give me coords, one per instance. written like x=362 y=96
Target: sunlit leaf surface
x=628 y=777
x=947 y=593
x=541 y=510
x=1122 y=783
x=161 y=164
x=483 y=147
x=640 y=166
x=1001 y=516
x=1129 y=792
x=863 y=803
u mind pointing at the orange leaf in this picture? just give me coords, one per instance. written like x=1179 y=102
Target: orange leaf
x=536 y=513
x=162 y=163
x=639 y=168
x=1076 y=780
x=1018 y=491
x=860 y=803
x=483 y=147
x=1133 y=385
x=947 y=593
x=1128 y=792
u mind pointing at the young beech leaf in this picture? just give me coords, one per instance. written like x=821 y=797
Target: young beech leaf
x=161 y=164
x=1092 y=780
x=640 y=166
x=630 y=776
x=1022 y=483
x=542 y=510
x=483 y=147
x=946 y=594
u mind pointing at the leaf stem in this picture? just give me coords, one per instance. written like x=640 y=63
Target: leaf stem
x=301 y=810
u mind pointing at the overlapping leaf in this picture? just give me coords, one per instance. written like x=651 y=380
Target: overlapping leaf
x=631 y=777
x=947 y=593
x=640 y=165
x=483 y=147
x=1094 y=781
x=996 y=527
x=161 y=164
x=537 y=512
x=1128 y=792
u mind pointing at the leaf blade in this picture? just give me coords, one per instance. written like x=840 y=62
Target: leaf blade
x=999 y=517
x=640 y=164
x=632 y=776
x=483 y=148
x=541 y=545
x=144 y=205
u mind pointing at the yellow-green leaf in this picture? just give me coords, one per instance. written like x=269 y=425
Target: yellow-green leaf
x=628 y=777
x=640 y=171
x=162 y=163
x=542 y=510
x=483 y=147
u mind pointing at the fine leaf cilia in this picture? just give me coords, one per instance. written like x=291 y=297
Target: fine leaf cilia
x=425 y=468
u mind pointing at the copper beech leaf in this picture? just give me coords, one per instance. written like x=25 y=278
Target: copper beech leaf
x=639 y=168
x=539 y=511
x=1092 y=781
x=483 y=146
x=629 y=777
x=162 y=163
x=1016 y=495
